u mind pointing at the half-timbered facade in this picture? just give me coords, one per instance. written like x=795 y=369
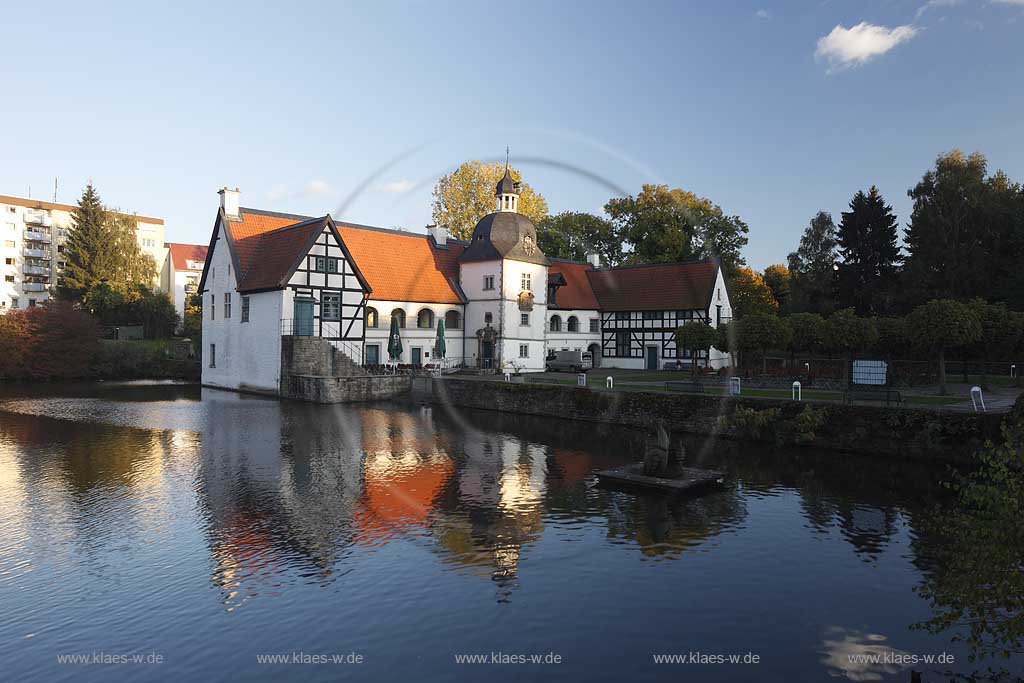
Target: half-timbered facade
x=503 y=303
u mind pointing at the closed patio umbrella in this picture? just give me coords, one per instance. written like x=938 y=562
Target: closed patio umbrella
x=394 y=341
x=439 y=347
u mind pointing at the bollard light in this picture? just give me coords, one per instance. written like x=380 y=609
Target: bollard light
x=977 y=398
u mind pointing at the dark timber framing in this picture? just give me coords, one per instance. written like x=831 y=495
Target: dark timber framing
x=347 y=279
x=646 y=328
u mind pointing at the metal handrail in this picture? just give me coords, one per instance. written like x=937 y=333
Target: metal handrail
x=331 y=331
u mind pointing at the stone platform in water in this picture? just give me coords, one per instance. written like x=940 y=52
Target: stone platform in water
x=692 y=480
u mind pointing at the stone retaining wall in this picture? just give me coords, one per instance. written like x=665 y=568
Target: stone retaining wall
x=890 y=432
x=318 y=389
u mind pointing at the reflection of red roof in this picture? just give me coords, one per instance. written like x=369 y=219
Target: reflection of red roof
x=577 y=292
x=660 y=286
x=398 y=266
x=400 y=498
x=181 y=254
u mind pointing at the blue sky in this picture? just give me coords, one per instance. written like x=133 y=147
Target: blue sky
x=773 y=110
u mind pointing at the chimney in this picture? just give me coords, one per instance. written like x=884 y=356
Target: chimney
x=440 y=235
x=229 y=201
x=594 y=260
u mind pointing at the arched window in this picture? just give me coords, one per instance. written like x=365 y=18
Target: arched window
x=573 y=325
x=425 y=319
x=556 y=324
x=452 y=320
x=488 y=318
x=371 y=317
x=398 y=314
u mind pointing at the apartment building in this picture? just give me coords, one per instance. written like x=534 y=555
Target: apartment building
x=33 y=234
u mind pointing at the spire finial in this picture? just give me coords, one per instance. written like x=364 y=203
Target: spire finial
x=506 y=157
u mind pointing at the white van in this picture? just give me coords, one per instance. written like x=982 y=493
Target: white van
x=570 y=361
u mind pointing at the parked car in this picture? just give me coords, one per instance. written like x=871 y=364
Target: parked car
x=570 y=361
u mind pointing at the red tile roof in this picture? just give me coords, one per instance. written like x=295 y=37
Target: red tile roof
x=660 y=286
x=398 y=266
x=402 y=266
x=181 y=254
x=267 y=259
x=577 y=292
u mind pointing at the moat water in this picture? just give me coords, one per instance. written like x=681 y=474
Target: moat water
x=204 y=532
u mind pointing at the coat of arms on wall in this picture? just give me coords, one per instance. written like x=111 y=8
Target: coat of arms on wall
x=525 y=301
x=528 y=245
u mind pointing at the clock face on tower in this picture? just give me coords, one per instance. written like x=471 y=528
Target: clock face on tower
x=528 y=246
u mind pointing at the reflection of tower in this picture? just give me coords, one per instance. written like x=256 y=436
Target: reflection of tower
x=494 y=508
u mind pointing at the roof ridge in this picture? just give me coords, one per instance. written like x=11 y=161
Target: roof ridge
x=559 y=259
x=691 y=262
x=273 y=214
x=291 y=226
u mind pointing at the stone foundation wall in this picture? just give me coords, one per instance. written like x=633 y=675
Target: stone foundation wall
x=890 y=432
x=317 y=389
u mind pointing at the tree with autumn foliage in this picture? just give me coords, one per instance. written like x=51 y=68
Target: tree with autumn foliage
x=777 y=277
x=749 y=295
x=662 y=225
x=464 y=196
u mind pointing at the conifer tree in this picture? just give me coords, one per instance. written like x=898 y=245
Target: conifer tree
x=85 y=246
x=102 y=248
x=868 y=243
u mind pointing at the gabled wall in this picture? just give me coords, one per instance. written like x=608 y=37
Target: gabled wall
x=247 y=353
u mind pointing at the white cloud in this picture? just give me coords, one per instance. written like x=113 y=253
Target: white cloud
x=846 y=47
x=762 y=14
x=313 y=188
x=316 y=187
x=932 y=4
x=397 y=186
x=1009 y=2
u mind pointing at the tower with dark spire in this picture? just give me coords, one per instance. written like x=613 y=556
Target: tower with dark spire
x=507 y=191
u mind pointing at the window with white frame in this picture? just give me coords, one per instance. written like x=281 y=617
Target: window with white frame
x=213 y=307
x=524 y=350
x=524 y=319
x=595 y=325
x=213 y=355
x=227 y=305
x=488 y=282
x=245 y=309
x=526 y=283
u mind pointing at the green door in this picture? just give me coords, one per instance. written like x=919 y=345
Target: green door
x=652 y=357
x=303 y=317
x=417 y=358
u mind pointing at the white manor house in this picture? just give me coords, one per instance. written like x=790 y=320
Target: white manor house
x=505 y=304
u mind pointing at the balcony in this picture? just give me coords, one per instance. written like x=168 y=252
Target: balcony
x=191 y=288
x=35 y=270
x=38 y=218
x=36 y=236
x=37 y=253
x=33 y=287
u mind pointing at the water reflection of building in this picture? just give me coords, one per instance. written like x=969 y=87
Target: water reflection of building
x=280 y=492
x=493 y=508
